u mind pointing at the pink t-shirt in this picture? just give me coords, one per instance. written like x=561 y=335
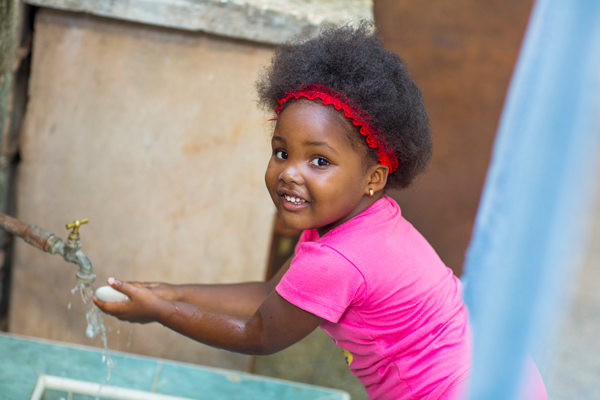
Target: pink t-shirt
x=388 y=301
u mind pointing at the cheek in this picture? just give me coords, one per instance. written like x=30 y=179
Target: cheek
x=271 y=176
x=339 y=189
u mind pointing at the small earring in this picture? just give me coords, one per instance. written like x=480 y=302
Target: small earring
x=371 y=192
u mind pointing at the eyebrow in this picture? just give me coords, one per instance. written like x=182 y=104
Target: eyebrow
x=323 y=144
x=308 y=143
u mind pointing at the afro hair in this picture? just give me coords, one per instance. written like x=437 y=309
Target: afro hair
x=353 y=61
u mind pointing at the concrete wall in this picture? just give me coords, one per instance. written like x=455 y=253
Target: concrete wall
x=153 y=134
x=265 y=21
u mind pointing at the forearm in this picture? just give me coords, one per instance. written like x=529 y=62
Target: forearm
x=275 y=325
x=216 y=328
x=241 y=298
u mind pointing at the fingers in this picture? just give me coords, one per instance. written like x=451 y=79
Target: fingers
x=102 y=305
x=145 y=284
x=150 y=285
x=161 y=289
x=98 y=303
x=123 y=287
x=105 y=306
x=139 y=308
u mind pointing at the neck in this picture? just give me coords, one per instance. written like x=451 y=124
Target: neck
x=366 y=202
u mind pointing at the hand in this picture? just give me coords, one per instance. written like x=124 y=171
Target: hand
x=164 y=290
x=142 y=307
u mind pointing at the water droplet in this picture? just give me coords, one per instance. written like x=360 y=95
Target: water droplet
x=130 y=335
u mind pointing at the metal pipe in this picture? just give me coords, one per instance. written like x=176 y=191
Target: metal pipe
x=50 y=243
x=32 y=234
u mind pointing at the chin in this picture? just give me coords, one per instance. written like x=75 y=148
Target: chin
x=293 y=223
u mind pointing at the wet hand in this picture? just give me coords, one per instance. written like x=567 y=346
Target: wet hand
x=142 y=307
x=164 y=290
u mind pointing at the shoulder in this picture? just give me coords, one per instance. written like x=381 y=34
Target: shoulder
x=374 y=229
x=322 y=281
x=319 y=257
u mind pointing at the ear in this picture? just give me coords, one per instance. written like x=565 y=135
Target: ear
x=377 y=175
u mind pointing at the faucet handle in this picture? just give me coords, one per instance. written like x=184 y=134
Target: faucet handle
x=75 y=226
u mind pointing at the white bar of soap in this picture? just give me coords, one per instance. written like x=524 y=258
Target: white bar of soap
x=108 y=294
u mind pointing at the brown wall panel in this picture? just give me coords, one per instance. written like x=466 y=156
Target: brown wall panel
x=461 y=53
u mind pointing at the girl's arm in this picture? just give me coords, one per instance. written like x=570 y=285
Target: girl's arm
x=276 y=324
x=240 y=298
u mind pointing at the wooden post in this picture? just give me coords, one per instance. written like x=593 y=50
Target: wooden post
x=11 y=17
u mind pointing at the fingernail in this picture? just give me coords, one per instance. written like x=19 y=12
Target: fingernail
x=111 y=280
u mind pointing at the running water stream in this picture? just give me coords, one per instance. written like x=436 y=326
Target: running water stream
x=95 y=323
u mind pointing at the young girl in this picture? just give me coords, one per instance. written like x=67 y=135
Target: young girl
x=350 y=125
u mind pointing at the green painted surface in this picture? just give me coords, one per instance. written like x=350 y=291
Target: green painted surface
x=24 y=359
x=60 y=395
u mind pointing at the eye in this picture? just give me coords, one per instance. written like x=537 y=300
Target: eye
x=282 y=155
x=319 y=162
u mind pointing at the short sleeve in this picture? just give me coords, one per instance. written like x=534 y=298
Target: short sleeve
x=321 y=281
x=309 y=235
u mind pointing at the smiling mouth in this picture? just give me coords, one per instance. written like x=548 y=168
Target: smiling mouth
x=294 y=200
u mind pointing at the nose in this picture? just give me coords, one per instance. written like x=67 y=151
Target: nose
x=291 y=174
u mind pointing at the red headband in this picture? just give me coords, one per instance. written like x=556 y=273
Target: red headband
x=375 y=138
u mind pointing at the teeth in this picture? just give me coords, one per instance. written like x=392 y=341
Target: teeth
x=294 y=200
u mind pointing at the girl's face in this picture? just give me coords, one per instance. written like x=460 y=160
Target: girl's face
x=316 y=178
